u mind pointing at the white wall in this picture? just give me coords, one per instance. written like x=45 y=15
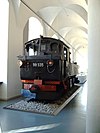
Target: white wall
x=14 y=49
x=17 y=21
x=4 y=8
x=93 y=101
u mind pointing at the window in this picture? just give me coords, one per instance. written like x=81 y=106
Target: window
x=54 y=47
x=65 y=54
x=35 y=28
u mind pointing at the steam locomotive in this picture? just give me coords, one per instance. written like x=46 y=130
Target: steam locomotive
x=45 y=69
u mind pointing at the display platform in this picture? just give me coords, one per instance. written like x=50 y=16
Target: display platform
x=82 y=78
x=44 y=107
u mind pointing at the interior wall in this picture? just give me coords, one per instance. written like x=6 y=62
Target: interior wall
x=25 y=32
x=15 y=42
x=4 y=8
x=17 y=21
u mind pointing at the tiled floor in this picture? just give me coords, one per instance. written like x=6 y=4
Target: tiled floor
x=71 y=119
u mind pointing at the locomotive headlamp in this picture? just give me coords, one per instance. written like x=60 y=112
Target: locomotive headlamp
x=50 y=62
x=20 y=62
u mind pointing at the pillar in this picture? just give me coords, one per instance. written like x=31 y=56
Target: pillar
x=93 y=103
x=73 y=55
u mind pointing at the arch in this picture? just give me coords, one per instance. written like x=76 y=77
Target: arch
x=69 y=17
x=82 y=61
x=16 y=5
x=38 y=5
x=79 y=41
x=75 y=32
x=78 y=49
x=56 y=12
x=33 y=29
x=62 y=31
x=79 y=46
x=53 y=11
x=64 y=10
x=79 y=10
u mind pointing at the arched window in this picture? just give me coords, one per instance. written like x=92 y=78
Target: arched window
x=35 y=28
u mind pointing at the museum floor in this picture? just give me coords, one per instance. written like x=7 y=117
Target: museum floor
x=72 y=119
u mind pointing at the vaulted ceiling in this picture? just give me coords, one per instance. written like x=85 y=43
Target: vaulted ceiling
x=68 y=18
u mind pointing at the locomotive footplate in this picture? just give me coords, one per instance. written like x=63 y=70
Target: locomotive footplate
x=42 y=95
x=43 y=90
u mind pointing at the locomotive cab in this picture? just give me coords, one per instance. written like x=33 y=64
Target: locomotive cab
x=44 y=68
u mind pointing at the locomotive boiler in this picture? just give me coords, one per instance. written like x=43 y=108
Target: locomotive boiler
x=45 y=69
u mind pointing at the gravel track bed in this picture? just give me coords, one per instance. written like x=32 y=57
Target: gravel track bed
x=34 y=106
x=37 y=106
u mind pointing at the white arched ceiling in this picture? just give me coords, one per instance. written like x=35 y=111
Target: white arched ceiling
x=67 y=30
x=52 y=11
x=38 y=4
x=76 y=39
x=75 y=32
x=80 y=41
x=64 y=31
x=67 y=19
x=77 y=9
x=83 y=45
x=81 y=50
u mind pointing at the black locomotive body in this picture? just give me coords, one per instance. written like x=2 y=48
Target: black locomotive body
x=44 y=69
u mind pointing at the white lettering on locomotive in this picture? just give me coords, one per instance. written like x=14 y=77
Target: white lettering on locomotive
x=37 y=64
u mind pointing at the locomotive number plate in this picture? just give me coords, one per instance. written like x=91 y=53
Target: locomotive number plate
x=38 y=64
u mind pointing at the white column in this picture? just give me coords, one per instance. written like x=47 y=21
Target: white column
x=93 y=104
x=73 y=56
